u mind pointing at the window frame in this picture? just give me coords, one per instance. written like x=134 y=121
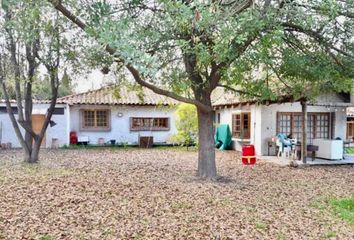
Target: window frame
x=152 y=120
x=84 y=128
x=241 y=133
x=312 y=118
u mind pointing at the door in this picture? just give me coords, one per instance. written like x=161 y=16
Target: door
x=37 y=124
x=350 y=130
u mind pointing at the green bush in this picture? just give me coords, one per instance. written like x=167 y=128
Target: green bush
x=186 y=124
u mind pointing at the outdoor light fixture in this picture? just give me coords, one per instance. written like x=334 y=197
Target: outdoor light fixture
x=120 y=114
x=52 y=123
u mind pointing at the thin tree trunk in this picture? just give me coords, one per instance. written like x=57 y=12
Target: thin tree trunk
x=206 y=156
x=34 y=157
x=304 y=131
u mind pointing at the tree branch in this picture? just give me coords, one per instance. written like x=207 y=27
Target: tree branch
x=15 y=64
x=66 y=12
x=160 y=91
x=58 y=5
x=239 y=91
x=316 y=36
x=12 y=117
x=344 y=14
x=54 y=83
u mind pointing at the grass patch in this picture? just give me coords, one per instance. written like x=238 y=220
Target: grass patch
x=349 y=150
x=126 y=146
x=261 y=226
x=331 y=234
x=46 y=237
x=97 y=147
x=318 y=205
x=344 y=208
x=182 y=205
x=176 y=148
x=281 y=236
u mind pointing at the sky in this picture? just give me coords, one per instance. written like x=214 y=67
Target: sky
x=92 y=81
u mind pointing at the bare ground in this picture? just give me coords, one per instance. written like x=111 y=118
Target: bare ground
x=154 y=194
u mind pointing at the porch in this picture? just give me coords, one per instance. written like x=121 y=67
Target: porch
x=284 y=161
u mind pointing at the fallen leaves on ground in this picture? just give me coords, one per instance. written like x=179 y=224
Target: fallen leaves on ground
x=154 y=194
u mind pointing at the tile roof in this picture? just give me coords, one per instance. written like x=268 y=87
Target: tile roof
x=108 y=96
x=220 y=97
x=34 y=101
x=117 y=96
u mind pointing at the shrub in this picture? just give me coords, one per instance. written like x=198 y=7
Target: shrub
x=186 y=124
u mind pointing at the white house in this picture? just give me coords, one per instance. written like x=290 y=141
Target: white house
x=256 y=124
x=59 y=131
x=103 y=114
x=124 y=116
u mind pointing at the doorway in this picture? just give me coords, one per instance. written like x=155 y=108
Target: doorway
x=37 y=124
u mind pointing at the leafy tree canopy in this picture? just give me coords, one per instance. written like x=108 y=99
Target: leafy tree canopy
x=170 y=41
x=185 y=49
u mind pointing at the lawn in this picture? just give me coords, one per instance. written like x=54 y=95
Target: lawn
x=349 y=150
x=154 y=194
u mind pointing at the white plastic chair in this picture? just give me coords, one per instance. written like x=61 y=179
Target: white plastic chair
x=280 y=147
x=286 y=151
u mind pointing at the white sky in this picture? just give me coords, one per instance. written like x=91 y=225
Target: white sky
x=92 y=81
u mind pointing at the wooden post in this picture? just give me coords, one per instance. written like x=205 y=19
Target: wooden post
x=304 y=131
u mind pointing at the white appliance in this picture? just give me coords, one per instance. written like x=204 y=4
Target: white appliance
x=329 y=149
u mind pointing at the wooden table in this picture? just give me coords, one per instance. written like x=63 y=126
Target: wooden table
x=310 y=148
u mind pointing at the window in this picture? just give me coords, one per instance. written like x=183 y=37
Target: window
x=95 y=120
x=296 y=130
x=318 y=125
x=241 y=125
x=149 y=124
x=285 y=123
x=322 y=126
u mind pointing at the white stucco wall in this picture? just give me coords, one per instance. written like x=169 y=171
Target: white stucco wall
x=120 y=126
x=263 y=120
x=269 y=115
x=226 y=118
x=58 y=131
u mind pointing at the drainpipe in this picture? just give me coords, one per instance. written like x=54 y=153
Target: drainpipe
x=68 y=123
x=304 y=131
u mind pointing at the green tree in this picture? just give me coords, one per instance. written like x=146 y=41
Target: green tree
x=41 y=87
x=66 y=85
x=185 y=49
x=33 y=37
x=186 y=124
x=301 y=73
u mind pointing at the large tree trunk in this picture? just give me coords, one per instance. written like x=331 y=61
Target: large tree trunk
x=304 y=131
x=206 y=156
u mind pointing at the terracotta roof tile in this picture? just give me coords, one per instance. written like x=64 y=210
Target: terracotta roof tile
x=34 y=101
x=220 y=97
x=105 y=96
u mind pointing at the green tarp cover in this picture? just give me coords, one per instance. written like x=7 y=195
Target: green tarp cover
x=223 y=137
